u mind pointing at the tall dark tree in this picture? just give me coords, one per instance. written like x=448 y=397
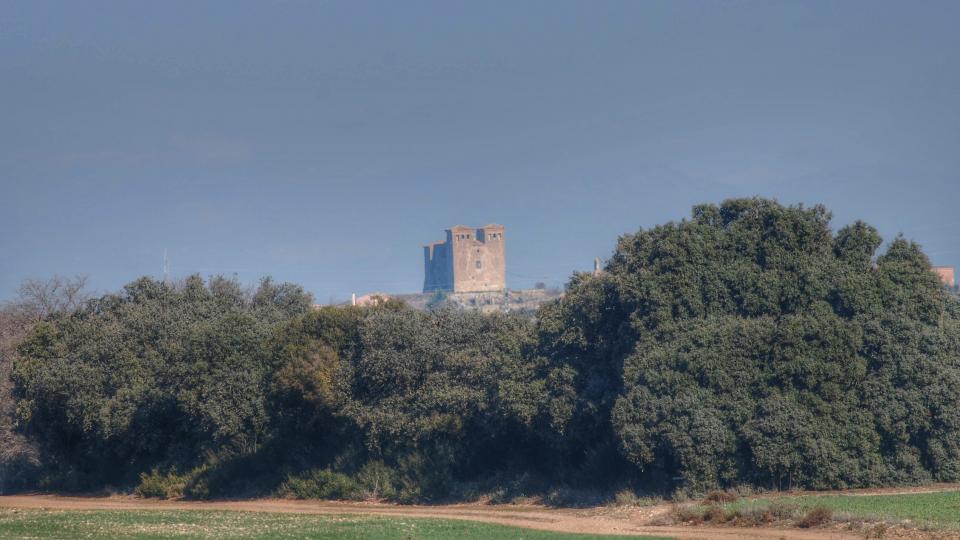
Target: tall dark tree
x=750 y=344
x=158 y=374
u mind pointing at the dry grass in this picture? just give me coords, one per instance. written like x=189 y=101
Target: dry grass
x=720 y=497
x=628 y=497
x=815 y=517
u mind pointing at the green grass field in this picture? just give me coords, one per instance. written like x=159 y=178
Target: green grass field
x=941 y=510
x=189 y=524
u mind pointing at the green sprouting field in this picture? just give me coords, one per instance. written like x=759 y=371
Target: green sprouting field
x=190 y=524
x=940 y=509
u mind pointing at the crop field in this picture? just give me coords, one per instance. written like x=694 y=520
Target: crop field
x=939 y=510
x=190 y=524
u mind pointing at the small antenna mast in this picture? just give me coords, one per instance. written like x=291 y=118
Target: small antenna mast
x=166 y=266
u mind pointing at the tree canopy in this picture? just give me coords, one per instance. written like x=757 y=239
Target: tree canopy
x=751 y=343
x=157 y=373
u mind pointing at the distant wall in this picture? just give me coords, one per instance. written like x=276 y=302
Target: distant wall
x=484 y=302
x=947 y=275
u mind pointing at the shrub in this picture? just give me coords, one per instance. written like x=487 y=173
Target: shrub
x=321 y=484
x=566 y=496
x=198 y=488
x=377 y=481
x=878 y=531
x=627 y=497
x=715 y=514
x=686 y=514
x=815 y=517
x=253 y=475
x=783 y=510
x=753 y=516
x=161 y=486
x=720 y=497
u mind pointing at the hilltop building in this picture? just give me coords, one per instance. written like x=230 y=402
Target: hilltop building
x=947 y=275
x=469 y=260
x=467 y=270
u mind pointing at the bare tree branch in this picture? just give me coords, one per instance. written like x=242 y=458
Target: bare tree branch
x=59 y=293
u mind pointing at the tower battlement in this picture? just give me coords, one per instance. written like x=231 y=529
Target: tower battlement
x=471 y=259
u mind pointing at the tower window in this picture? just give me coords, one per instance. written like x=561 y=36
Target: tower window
x=478 y=264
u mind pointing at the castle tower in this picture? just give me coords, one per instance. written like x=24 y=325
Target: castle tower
x=469 y=260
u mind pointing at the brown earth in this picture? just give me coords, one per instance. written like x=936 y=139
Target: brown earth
x=600 y=520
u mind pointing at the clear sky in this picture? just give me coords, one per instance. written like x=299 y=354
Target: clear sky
x=325 y=142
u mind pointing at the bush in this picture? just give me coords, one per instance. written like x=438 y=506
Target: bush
x=377 y=481
x=198 y=488
x=322 y=484
x=573 y=497
x=18 y=473
x=161 y=486
x=753 y=516
x=817 y=516
x=720 y=497
x=715 y=514
x=783 y=510
x=628 y=497
x=252 y=475
x=878 y=531
x=686 y=514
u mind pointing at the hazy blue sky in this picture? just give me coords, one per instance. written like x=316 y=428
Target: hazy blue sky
x=325 y=142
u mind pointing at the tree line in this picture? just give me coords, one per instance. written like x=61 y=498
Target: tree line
x=749 y=344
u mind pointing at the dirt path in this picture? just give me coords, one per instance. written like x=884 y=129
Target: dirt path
x=595 y=520
x=600 y=520
x=926 y=488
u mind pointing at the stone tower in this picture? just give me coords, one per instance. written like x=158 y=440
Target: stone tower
x=469 y=260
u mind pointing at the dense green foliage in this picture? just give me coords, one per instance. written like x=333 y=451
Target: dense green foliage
x=437 y=396
x=155 y=375
x=749 y=344
x=18 y=457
